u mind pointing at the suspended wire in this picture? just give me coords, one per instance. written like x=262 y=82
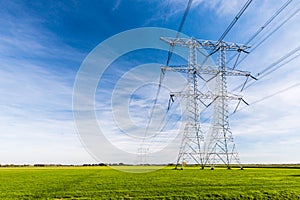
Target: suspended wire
x=246 y=5
x=270 y=69
x=274 y=66
x=169 y=119
x=251 y=38
x=164 y=118
x=169 y=107
x=161 y=126
x=263 y=99
x=184 y=17
x=142 y=144
x=165 y=15
x=164 y=123
x=235 y=20
x=263 y=26
x=168 y=60
x=265 y=72
x=269 y=96
x=154 y=104
x=243 y=9
x=171 y=48
x=270 y=34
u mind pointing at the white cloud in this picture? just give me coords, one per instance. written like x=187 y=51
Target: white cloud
x=36 y=104
x=117 y=4
x=36 y=119
x=222 y=7
x=172 y=8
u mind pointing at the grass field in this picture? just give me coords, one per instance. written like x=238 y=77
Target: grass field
x=106 y=183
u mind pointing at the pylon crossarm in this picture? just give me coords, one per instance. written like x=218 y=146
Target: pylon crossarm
x=206 y=44
x=228 y=46
x=180 y=68
x=231 y=72
x=208 y=70
x=207 y=95
x=185 y=42
x=231 y=96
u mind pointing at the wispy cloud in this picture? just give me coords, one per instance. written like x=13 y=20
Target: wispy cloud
x=36 y=113
x=117 y=4
x=37 y=73
x=175 y=8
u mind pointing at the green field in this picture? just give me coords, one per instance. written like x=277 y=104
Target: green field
x=106 y=183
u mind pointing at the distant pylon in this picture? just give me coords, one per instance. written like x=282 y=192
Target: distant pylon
x=143 y=154
x=217 y=145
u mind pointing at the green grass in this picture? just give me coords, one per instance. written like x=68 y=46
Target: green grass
x=106 y=183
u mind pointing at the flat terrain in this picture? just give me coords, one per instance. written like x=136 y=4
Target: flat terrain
x=106 y=183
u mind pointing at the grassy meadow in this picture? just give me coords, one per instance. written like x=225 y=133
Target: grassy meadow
x=106 y=183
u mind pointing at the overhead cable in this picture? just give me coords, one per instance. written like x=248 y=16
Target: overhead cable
x=270 y=34
x=171 y=48
x=235 y=19
x=274 y=66
x=263 y=26
x=269 y=96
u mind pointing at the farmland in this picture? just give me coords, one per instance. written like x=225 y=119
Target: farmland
x=191 y=183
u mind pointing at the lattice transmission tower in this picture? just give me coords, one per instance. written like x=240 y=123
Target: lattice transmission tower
x=216 y=145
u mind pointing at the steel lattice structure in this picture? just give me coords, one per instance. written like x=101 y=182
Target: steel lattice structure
x=217 y=145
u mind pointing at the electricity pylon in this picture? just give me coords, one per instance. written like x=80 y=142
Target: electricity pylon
x=193 y=138
x=217 y=145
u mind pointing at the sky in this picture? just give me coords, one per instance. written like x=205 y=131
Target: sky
x=45 y=44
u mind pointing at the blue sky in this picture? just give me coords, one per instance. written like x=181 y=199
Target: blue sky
x=43 y=43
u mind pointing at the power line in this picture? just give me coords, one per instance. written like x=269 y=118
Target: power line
x=235 y=19
x=269 y=96
x=154 y=104
x=274 y=66
x=184 y=17
x=162 y=74
x=270 y=69
x=265 y=72
x=168 y=60
x=264 y=25
x=171 y=48
x=270 y=34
